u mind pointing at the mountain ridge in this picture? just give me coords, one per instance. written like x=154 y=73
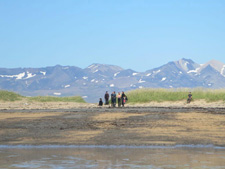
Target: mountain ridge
x=92 y=81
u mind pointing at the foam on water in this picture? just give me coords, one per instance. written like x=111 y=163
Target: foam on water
x=109 y=146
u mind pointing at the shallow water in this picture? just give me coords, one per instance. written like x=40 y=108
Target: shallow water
x=98 y=157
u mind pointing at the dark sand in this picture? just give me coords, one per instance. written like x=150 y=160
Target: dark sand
x=114 y=126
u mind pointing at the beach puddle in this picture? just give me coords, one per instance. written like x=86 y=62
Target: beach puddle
x=98 y=157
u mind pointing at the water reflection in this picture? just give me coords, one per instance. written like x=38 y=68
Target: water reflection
x=111 y=157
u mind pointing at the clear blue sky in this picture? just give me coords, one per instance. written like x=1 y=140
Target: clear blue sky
x=136 y=34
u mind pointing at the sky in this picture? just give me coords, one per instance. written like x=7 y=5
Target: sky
x=133 y=34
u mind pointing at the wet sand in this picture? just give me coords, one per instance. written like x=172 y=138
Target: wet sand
x=114 y=126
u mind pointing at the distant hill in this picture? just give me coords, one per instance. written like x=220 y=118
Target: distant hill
x=92 y=82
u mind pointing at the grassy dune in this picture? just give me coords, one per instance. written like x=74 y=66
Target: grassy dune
x=11 y=96
x=160 y=95
x=77 y=99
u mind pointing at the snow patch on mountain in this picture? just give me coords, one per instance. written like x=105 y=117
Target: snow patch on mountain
x=57 y=94
x=186 y=63
x=95 y=71
x=66 y=86
x=156 y=72
x=194 y=71
x=85 y=77
x=134 y=74
x=44 y=73
x=141 y=81
x=19 y=76
x=163 y=79
x=112 y=85
x=115 y=74
x=222 y=70
x=27 y=84
x=92 y=66
x=30 y=75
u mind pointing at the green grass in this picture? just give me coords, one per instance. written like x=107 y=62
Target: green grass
x=134 y=96
x=9 y=96
x=76 y=99
x=181 y=94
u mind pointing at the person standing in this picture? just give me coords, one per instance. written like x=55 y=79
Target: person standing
x=119 y=99
x=114 y=99
x=124 y=99
x=106 y=98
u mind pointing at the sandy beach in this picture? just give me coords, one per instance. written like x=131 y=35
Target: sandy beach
x=25 y=104
x=87 y=124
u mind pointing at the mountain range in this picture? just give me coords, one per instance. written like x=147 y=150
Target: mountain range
x=92 y=82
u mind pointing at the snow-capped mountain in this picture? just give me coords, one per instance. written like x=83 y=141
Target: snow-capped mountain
x=92 y=82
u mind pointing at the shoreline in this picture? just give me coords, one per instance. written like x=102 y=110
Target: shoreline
x=27 y=105
x=56 y=146
x=215 y=110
